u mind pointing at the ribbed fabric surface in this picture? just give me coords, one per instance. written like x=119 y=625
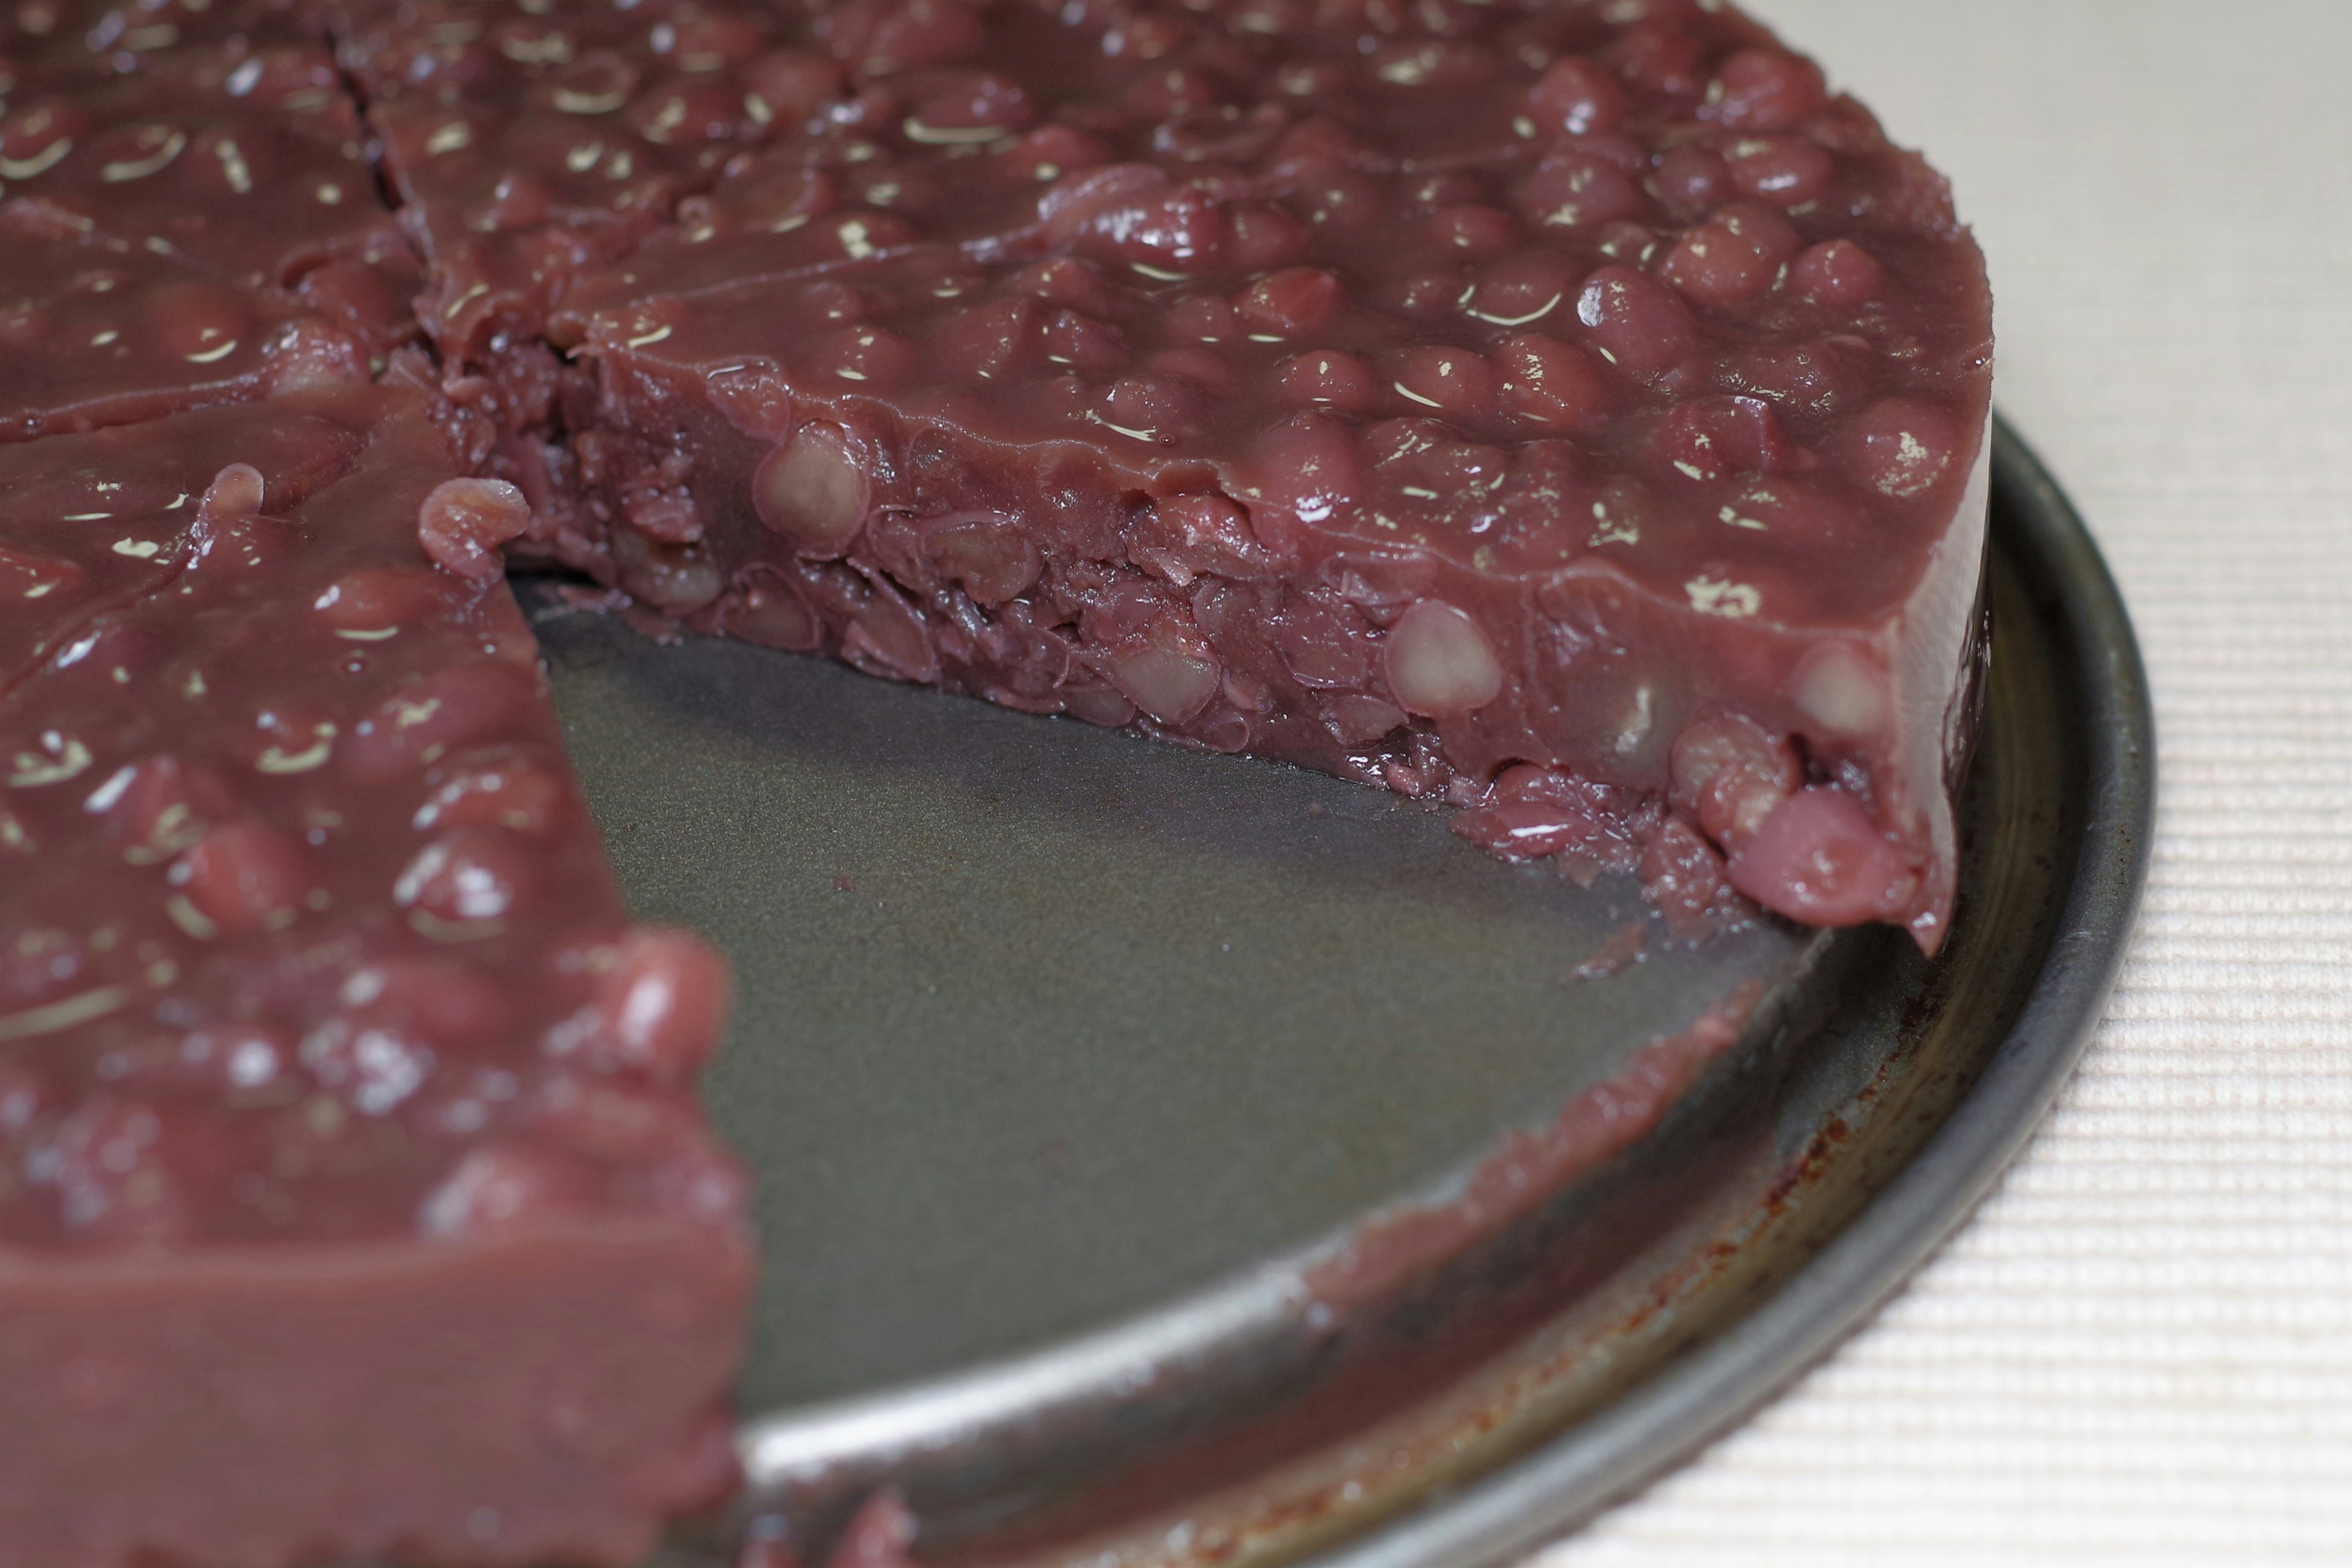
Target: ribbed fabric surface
x=2141 y=1351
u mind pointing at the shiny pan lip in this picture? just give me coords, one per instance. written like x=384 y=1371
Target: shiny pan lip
x=1551 y=1359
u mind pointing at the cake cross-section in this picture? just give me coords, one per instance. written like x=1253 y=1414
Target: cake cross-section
x=1524 y=406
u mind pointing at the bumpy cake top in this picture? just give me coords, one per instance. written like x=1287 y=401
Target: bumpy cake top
x=1520 y=283
x=305 y=932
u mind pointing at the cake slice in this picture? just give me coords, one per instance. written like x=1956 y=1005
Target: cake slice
x=1575 y=417
x=353 y=1200
x=98 y=330
x=218 y=136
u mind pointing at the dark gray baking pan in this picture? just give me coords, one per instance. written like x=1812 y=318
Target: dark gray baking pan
x=1169 y=1159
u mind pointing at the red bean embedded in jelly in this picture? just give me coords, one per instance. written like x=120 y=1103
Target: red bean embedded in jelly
x=160 y=805
x=812 y=491
x=1264 y=236
x=1324 y=644
x=1837 y=272
x=1327 y=378
x=1579 y=189
x=1901 y=447
x=1472 y=231
x=1135 y=213
x=1168 y=674
x=1577 y=96
x=1457 y=383
x=1359 y=721
x=1733 y=258
x=465 y=875
x=499 y=1188
x=1767 y=89
x=1842 y=691
x=511 y=790
x=993 y=342
x=244 y=877
x=871 y=358
x=675 y=579
x=464 y=523
x=978 y=106
x=1691 y=181
x=1635 y=321
x=1155 y=409
x=774 y=615
x=1338 y=201
x=1308 y=466
x=887 y=637
x=237 y=491
x=1284 y=304
x=316 y=356
x=1551 y=386
x=1085 y=344
x=794 y=84
x=986 y=554
x=422 y=721
x=202 y=323
x=1730 y=774
x=1440 y=662
x=1520 y=289
x=377 y=602
x=1786 y=170
x=1711 y=438
x=1068 y=282
x=1819 y=859
x=664 y=1001
x=1051 y=152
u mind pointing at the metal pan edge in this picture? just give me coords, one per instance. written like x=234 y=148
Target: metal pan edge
x=1607 y=1458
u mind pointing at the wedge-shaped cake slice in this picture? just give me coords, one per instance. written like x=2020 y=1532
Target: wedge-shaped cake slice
x=219 y=136
x=353 y=1200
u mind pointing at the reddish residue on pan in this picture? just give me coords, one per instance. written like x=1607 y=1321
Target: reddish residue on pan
x=1619 y=952
x=1533 y=1163
x=877 y=1536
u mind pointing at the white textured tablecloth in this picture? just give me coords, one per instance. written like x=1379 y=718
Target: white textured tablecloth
x=2140 y=1350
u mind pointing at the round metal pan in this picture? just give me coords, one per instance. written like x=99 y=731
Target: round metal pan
x=1176 y=1159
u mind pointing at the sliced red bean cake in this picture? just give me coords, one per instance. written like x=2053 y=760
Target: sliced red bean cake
x=1572 y=412
x=333 y=1078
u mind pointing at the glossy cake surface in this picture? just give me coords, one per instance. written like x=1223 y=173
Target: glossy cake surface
x=333 y=1078
x=1412 y=394
x=1570 y=413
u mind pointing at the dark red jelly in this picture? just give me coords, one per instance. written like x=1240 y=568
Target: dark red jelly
x=1411 y=395
x=1571 y=412
x=333 y=1079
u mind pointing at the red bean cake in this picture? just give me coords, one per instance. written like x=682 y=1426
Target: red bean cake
x=1571 y=413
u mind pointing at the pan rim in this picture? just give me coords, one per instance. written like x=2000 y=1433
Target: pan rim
x=1606 y=1458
